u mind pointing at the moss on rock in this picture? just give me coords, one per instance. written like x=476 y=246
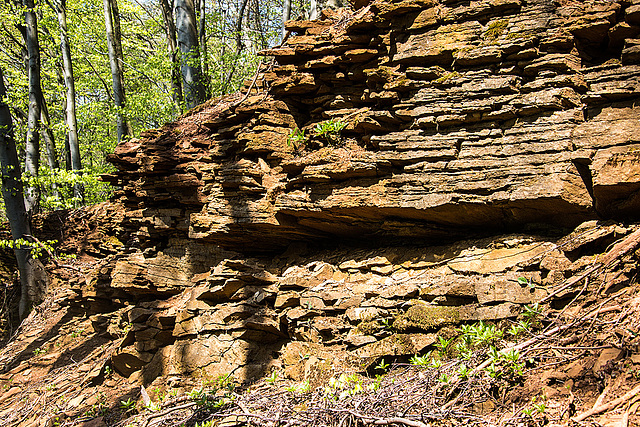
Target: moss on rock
x=426 y=317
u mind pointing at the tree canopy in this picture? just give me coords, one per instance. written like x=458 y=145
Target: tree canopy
x=229 y=34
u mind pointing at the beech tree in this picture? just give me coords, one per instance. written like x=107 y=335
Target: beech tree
x=71 y=121
x=32 y=150
x=112 y=25
x=78 y=108
x=192 y=79
x=172 y=44
x=12 y=194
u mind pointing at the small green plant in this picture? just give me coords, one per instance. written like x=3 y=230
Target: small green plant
x=301 y=388
x=420 y=360
x=296 y=138
x=96 y=410
x=39 y=351
x=382 y=366
x=493 y=371
x=375 y=385
x=127 y=405
x=329 y=130
x=444 y=378
x=328 y=127
x=204 y=424
x=442 y=344
x=480 y=334
x=345 y=386
x=540 y=408
x=519 y=328
x=108 y=371
x=531 y=312
x=463 y=371
x=435 y=363
x=271 y=379
x=77 y=333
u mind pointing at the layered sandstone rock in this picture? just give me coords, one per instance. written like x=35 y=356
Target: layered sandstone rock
x=460 y=118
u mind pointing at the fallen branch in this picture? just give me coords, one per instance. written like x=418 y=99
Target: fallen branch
x=397 y=420
x=170 y=410
x=607 y=406
x=618 y=250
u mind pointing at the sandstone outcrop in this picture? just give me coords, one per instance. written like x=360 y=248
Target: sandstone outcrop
x=409 y=123
x=458 y=117
x=391 y=173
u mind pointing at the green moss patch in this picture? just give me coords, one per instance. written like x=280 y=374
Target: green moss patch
x=426 y=317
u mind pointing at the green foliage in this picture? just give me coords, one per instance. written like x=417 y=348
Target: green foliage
x=531 y=312
x=301 y=388
x=127 y=405
x=329 y=130
x=346 y=385
x=329 y=127
x=37 y=248
x=443 y=344
x=271 y=379
x=519 y=328
x=296 y=138
x=382 y=366
x=147 y=69
x=480 y=334
x=421 y=360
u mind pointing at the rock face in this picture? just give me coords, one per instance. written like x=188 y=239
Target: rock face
x=457 y=116
x=339 y=212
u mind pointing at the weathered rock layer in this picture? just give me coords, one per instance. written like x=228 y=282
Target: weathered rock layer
x=403 y=123
x=458 y=116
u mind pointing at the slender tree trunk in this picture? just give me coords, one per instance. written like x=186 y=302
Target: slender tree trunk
x=49 y=143
x=47 y=136
x=12 y=193
x=176 y=79
x=204 y=57
x=239 y=44
x=313 y=9
x=192 y=84
x=32 y=149
x=72 y=144
x=115 y=61
x=286 y=15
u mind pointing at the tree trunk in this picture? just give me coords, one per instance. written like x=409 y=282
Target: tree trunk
x=112 y=25
x=49 y=143
x=204 y=59
x=71 y=142
x=12 y=192
x=286 y=15
x=176 y=80
x=192 y=84
x=313 y=9
x=32 y=149
x=239 y=44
